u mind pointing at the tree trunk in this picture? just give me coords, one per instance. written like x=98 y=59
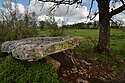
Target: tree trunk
x=104 y=36
x=104 y=32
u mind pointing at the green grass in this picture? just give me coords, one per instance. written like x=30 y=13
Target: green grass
x=44 y=33
x=13 y=71
x=91 y=36
x=82 y=32
x=117 y=44
x=118 y=40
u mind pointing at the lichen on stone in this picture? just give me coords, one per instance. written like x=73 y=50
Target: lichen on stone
x=39 y=47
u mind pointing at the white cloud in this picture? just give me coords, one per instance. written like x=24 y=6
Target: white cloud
x=48 y=18
x=75 y=12
x=18 y=7
x=115 y=5
x=71 y=14
x=120 y=16
x=21 y=8
x=44 y=17
x=10 y=8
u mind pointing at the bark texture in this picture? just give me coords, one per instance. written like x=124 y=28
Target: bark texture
x=104 y=32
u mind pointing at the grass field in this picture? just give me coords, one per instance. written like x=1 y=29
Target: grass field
x=117 y=41
x=9 y=66
x=90 y=40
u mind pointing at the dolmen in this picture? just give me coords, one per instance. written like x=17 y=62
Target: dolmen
x=32 y=49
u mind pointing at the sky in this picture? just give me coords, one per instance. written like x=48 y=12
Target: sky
x=24 y=2
x=70 y=14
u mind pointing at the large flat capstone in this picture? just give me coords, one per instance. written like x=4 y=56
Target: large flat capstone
x=39 y=47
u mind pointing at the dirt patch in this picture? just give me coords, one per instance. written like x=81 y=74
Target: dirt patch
x=87 y=70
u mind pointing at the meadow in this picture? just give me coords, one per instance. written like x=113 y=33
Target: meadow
x=12 y=70
x=90 y=38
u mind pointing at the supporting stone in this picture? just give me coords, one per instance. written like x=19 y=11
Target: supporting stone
x=55 y=64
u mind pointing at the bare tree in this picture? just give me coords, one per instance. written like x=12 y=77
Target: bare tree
x=3 y=16
x=30 y=18
x=104 y=18
x=11 y=11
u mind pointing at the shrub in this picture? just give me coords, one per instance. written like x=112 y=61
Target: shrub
x=18 y=31
x=13 y=71
x=56 y=32
x=53 y=27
